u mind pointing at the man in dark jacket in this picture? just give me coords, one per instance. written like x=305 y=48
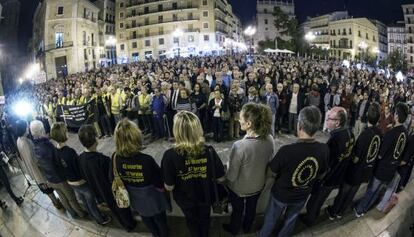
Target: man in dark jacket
x=361 y=166
x=340 y=145
x=389 y=159
x=45 y=154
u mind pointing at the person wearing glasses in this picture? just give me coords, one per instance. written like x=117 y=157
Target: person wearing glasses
x=340 y=143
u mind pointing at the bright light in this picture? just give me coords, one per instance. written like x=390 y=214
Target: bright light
x=20 y=81
x=32 y=70
x=375 y=50
x=399 y=76
x=363 y=45
x=178 y=33
x=310 y=36
x=346 y=63
x=250 y=31
x=23 y=108
x=111 y=41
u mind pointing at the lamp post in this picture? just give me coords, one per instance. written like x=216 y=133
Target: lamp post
x=111 y=42
x=310 y=37
x=376 y=51
x=363 y=46
x=250 y=31
x=177 y=33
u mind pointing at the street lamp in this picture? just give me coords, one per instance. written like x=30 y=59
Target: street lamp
x=310 y=37
x=363 y=46
x=250 y=31
x=376 y=51
x=177 y=33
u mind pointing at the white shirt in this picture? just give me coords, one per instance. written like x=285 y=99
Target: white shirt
x=293 y=107
x=217 y=110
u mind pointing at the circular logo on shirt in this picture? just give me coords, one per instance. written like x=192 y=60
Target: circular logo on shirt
x=399 y=148
x=305 y=172
x=373 y=149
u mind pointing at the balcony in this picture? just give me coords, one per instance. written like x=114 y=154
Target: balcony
x=164 y=11
x=93 y=19
x=152 y=34
x=144 y=3
x=55 y=46
x=341 y=47
x=165 y=21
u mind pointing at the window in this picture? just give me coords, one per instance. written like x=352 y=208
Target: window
x=359 y=33
x=374 y=39
x=160 y=19
x=121 y=4
x=265 y=11
x=146 y=10
x=205 y=13
x=59 y=39
x=134 y=45
x=175 y=18
x=174 y=6
x=366 y=36
x=266 y=21
x=84 y=37
x=121 y=25
x=350 y=31
x=190 y=38
x=160 y=8
x=135 y=57
x=85 y=54
x=146 y=21
x=190 y=16
x=147 y=43
x=122 y=46
x=147 y=32
x=176 y=40
x=205 y=3
x=60 y=10
x=205 y=25
x=121 y=15
x=161 y=41
x=206 y=38
x=350 y=44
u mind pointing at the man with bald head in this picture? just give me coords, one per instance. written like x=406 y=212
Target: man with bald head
x=340 y=143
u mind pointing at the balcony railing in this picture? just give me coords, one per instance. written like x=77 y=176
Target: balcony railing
x=144 y=3
x=164 y=10
x=165 y=21
x=58 y=46
x=151 y=34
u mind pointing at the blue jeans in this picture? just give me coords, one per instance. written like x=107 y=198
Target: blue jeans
x=373 y=190
x=89 y=200
x=391 y=189
x=274 y=210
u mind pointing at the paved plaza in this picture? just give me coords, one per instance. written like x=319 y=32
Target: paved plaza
x=38 y=218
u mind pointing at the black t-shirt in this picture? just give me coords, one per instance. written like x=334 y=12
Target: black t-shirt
x=365 y=155
x=68 y=160
x=191 y=176
x=340 y=145
x=390 y=153
x=139 y=171
x=297 y=166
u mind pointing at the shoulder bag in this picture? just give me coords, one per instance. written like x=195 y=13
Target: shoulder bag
x=119 y=191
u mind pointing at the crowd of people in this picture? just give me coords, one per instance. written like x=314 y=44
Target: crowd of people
x=367 y=115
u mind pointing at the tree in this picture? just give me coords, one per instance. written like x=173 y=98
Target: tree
x=286 y=26
x=397 y=61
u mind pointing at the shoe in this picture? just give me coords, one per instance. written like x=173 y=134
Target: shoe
x=227 y=228
x=339 y=217
x=58 y=205
x=330 y=215
x=19 y=201
x=107 y=220
x=358 y=215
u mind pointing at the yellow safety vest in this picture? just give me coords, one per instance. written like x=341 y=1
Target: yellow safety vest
x=62 y=101
x=115 y=106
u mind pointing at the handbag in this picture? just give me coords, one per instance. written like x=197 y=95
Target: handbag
x=220 y=200
x=119 y=191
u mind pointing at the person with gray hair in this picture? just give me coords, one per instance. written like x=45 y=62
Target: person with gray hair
x=297 y=166
x=45 y=155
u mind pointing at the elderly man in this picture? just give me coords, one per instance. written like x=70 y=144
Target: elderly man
x=297 y=166
x=340 y=143
x=46 y=159
x=271 y=100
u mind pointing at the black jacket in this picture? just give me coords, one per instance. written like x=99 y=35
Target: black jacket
x=45 y=155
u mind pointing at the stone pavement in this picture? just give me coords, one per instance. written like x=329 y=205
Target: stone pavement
x=38 y=218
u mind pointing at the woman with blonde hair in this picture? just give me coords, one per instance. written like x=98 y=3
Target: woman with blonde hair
x=189 y=170
x=248 y=162
x=141 y=176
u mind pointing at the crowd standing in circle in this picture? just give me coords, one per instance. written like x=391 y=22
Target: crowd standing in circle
x=367 y=115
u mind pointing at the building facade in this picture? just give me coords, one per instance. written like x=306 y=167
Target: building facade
x=319 y=26
x=107 y=38
x=397 y=38
x=266 y=29
x=66 y=36
x=146 y=29
x=408 y=11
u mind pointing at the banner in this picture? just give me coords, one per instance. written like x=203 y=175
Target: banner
x=77 y=115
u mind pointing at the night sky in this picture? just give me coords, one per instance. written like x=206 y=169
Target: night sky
x=387 y=11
